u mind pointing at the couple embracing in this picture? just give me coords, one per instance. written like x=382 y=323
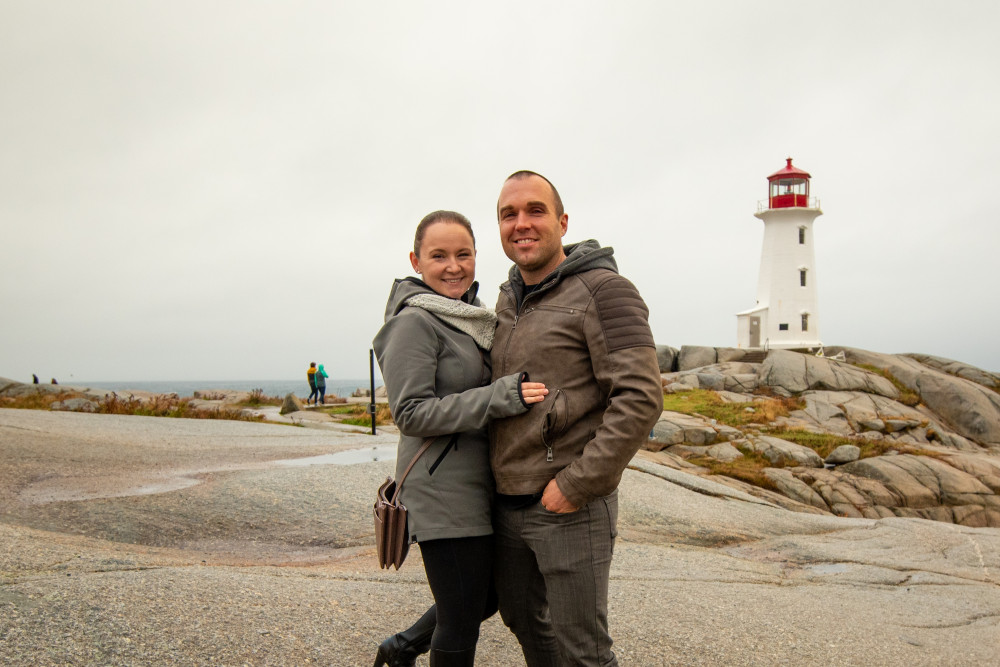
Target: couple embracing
x=537 y=408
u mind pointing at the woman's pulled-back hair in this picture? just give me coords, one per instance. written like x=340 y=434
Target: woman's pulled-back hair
x=440 y=216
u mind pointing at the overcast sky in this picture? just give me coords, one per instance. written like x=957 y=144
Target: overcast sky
x=226 y=190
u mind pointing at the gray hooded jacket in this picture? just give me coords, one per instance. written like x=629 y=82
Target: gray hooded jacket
x=438 y=381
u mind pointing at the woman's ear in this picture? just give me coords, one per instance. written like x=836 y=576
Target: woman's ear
x=414 y=262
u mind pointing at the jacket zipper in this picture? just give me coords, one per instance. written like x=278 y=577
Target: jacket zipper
x=451 y=443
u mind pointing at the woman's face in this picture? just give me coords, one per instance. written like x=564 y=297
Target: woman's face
x=447 y=260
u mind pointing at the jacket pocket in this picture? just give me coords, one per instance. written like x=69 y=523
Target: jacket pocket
x=555 y=422
x=611 y=504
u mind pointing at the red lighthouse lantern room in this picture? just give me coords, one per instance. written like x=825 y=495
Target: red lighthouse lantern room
x=789 y=187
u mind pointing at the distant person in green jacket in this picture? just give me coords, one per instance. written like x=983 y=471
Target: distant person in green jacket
x=311 y=376
x=321 y=377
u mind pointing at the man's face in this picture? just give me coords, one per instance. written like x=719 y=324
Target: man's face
x=530 y=232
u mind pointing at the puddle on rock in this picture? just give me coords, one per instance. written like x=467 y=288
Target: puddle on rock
x=351 y=456
x=829 y=568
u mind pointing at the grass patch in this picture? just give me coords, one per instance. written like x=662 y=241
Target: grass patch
x=906 y=395
x=708 y=404
x=361 y=417
x=821 y=443
x=339 y=410
x=749 y=469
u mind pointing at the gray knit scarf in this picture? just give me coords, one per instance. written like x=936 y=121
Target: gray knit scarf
x=477 y=321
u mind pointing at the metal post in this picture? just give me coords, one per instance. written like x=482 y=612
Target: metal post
x=371 y=376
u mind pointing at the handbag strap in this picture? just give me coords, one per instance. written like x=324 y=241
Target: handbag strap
x=399 y=485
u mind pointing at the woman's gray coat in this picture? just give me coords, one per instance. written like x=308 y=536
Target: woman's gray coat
x=438 y=382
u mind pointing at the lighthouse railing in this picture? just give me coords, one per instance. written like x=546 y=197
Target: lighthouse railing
x=765 y=204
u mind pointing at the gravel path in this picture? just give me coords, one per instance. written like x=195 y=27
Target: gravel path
x=131 y=540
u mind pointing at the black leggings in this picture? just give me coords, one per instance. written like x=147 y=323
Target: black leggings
x=460 y=573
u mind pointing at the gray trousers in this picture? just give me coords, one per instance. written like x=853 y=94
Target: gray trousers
x=552 y=575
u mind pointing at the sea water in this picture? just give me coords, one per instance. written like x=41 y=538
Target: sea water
x=186 y=388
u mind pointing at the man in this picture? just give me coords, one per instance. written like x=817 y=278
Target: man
x=569 y=320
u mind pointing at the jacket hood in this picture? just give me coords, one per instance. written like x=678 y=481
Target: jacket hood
x=404 y=288
x=580 y=257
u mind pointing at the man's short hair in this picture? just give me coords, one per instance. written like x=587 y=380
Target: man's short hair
x=525 y=173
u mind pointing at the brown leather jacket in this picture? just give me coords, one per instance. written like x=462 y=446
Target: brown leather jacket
x=584 y=332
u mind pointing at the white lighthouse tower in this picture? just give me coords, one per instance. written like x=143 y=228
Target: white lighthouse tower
x=786 y=314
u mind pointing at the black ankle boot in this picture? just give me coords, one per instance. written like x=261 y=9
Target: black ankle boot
x=394 y=653
x=464 y=658
x=401 y=650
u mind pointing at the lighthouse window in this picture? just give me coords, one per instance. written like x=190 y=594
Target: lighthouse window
x=782 y=327
x=802 y=235
x=805 y=321
x=802 y=278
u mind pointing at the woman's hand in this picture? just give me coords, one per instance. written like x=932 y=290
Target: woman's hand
x=533 y=392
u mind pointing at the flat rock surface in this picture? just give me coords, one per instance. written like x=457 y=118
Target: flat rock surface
x=134 y=540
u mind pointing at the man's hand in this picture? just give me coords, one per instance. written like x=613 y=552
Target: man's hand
x=554 y=501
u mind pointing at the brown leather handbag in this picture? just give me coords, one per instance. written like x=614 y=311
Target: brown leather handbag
x=392 y=539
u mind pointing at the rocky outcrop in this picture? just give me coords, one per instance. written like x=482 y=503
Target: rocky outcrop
x=666 y=358
x=291 y=404
x=75 y=405
x=731 y=376
x=965 y=405
x=782 y=452
x=843 y=454
x=675 y=428
x=903 y=485
x=959 y=369
x=935 y=456
x=796 y=373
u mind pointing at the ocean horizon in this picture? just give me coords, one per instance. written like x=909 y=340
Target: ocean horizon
x=186 y=388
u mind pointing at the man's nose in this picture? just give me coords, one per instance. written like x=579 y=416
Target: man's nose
x=522 y=222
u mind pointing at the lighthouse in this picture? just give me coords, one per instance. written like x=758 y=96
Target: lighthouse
x=786 y=313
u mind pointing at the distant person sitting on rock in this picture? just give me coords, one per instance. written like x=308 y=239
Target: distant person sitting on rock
x=34 y=379
x=311 y=376
x=54 y=381
x=321 y=377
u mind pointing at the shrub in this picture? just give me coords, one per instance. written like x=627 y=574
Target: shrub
x=257 y=398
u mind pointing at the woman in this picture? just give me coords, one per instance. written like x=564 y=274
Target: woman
x=434 y=354
x=321 y=377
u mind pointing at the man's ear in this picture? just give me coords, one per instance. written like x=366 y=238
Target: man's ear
x=564 y=223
